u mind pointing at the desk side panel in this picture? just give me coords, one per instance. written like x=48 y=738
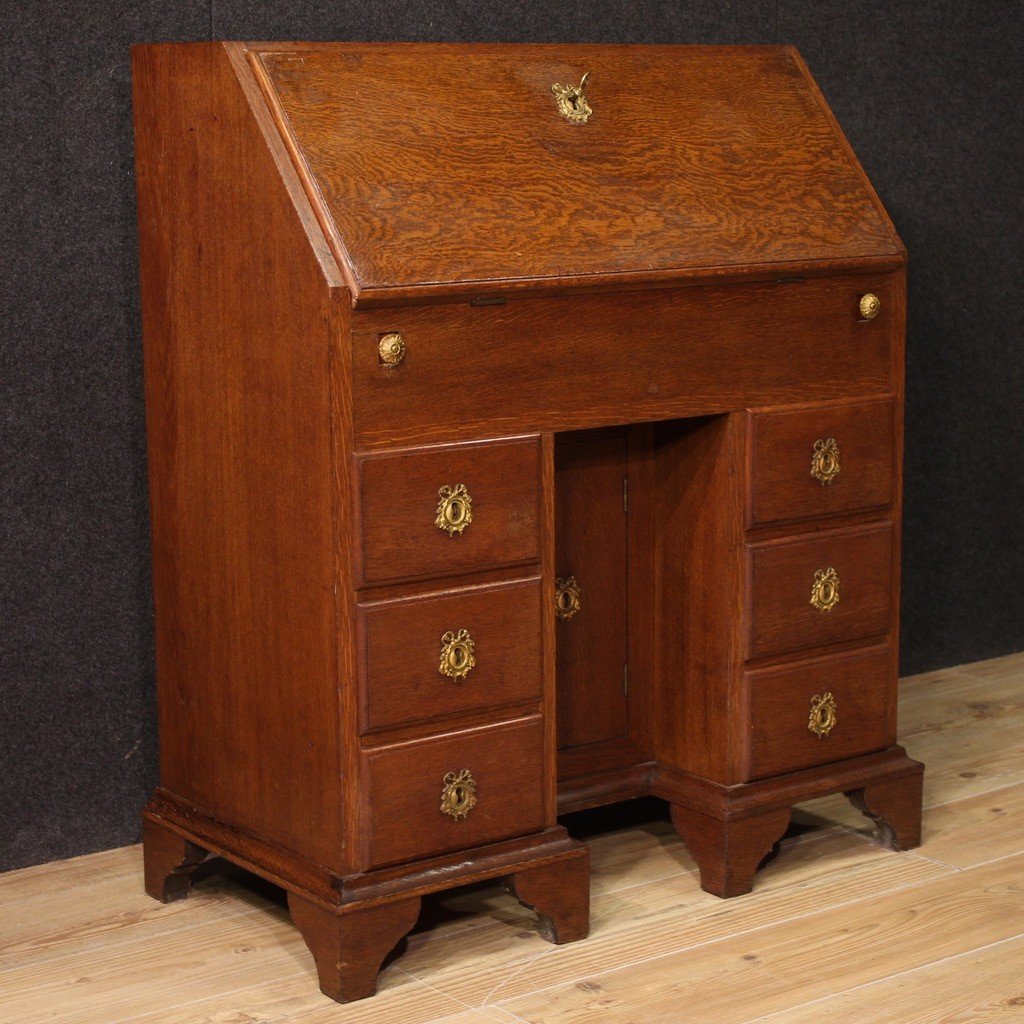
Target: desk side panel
x=238 y=327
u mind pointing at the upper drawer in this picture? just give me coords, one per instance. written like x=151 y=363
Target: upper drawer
x=441 y=511
x=812 y=591
x=465 y=371
x=817 y=462
x=443 y=654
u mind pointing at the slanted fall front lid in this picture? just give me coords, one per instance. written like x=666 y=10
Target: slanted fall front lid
x=443 y=170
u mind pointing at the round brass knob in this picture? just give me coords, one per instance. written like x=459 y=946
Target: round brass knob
x=825 y=590
x=567 y=597
x=822 y=719
x=825 y=460
x=454 y=509
x=457 y=657
x=391 y=348
x=458 y=794
x=870 y=306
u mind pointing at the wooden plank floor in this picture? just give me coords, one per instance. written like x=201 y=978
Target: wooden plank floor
x=837 y=929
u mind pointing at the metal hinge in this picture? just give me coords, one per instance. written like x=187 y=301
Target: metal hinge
x=625 y=494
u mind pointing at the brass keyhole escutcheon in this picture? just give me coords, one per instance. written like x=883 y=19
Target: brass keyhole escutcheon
x=391 y=348
x=457 y=654
x=571 y=101
x=825 y=460
x=825 y=590
x=567 y=597
x=454 y=509
x=869 y=306
x=822 y=719
x=458 y=794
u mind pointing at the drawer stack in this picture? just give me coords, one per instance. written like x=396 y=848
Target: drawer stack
x=450 y=647
x=819 y=678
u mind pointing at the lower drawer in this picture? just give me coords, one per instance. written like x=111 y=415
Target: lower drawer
x=819 y=711
x=450 y=792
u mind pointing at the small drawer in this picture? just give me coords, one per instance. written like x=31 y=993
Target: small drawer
x=819 y=711
x=444 y=654
x=430 y=796
x=828 y=588
x=822 y=461
x=442 y=511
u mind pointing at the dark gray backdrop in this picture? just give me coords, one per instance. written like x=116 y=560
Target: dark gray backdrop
x=929 y=94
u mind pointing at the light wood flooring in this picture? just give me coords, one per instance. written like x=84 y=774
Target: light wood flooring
x=837 y=929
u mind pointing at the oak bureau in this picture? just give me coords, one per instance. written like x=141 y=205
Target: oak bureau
x=525 y=430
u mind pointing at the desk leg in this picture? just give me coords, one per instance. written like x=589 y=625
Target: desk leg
x=168 y=860
x=349 y=947
x=895 y=806
x=729 y=852
x=559 y=892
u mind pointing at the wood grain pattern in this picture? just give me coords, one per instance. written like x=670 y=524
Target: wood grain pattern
x=782 y=618
x=398 y=505
x=553 y=364
x=782 y=444
x=699 y=158
x=404 y=782
x=778 y=703
x=401 y=641
x=590 y=544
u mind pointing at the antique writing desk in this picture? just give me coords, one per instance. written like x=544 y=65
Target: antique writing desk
x=519 y=442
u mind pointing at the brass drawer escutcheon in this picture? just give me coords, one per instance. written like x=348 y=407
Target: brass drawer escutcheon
x=391 y=348
x=567 y=597
x=825 y=460
x=454 y=509
x=457 y=657
x=869 y=306
x=822 y=719
x=572 y=103
x=825 y=590
x=458 y=794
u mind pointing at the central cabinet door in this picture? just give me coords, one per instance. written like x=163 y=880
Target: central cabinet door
x=591 y=565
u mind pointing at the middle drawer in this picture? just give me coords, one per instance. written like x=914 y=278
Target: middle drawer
x=451 y=653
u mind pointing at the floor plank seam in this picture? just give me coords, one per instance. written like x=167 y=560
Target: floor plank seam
x=433 y=988
x=974 y=796
x=882 y=980
x=515 y=974
x=829 y=909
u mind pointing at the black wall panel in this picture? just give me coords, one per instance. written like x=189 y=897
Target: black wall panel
x=929 y=95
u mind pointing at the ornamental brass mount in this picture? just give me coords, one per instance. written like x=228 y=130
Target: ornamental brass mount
x=869 y=306
x=822 y=719
x=457 y=657
x=825 y=460
x=825 y=590
x=572 y=103
x=454 y=509
x=458 y=794
x=391 y=348
x=567 y=597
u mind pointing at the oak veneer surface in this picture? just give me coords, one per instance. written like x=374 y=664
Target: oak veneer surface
x=435 y=167
x=660 y=947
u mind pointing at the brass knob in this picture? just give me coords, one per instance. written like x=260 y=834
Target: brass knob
x=822 y=719
x=457 y=657
x=454 y=509
x=567 y=597
x=825 y=460
x=825 y=590
x=870 y=306
x=458 y=794
x=391 y=348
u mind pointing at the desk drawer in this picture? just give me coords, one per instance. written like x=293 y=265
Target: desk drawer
x=447 y=510
x=818 y=462
x=828 y=588
x=452 y=653
x=489 y=779
x=575 y=362
x=819 y=711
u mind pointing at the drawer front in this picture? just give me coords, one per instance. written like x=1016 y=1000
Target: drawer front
x=819 y=711
x=499 y=770
x=574 y=362
x=463 y=651
x=819 y=462
x=447 y=510
x=811 y=591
